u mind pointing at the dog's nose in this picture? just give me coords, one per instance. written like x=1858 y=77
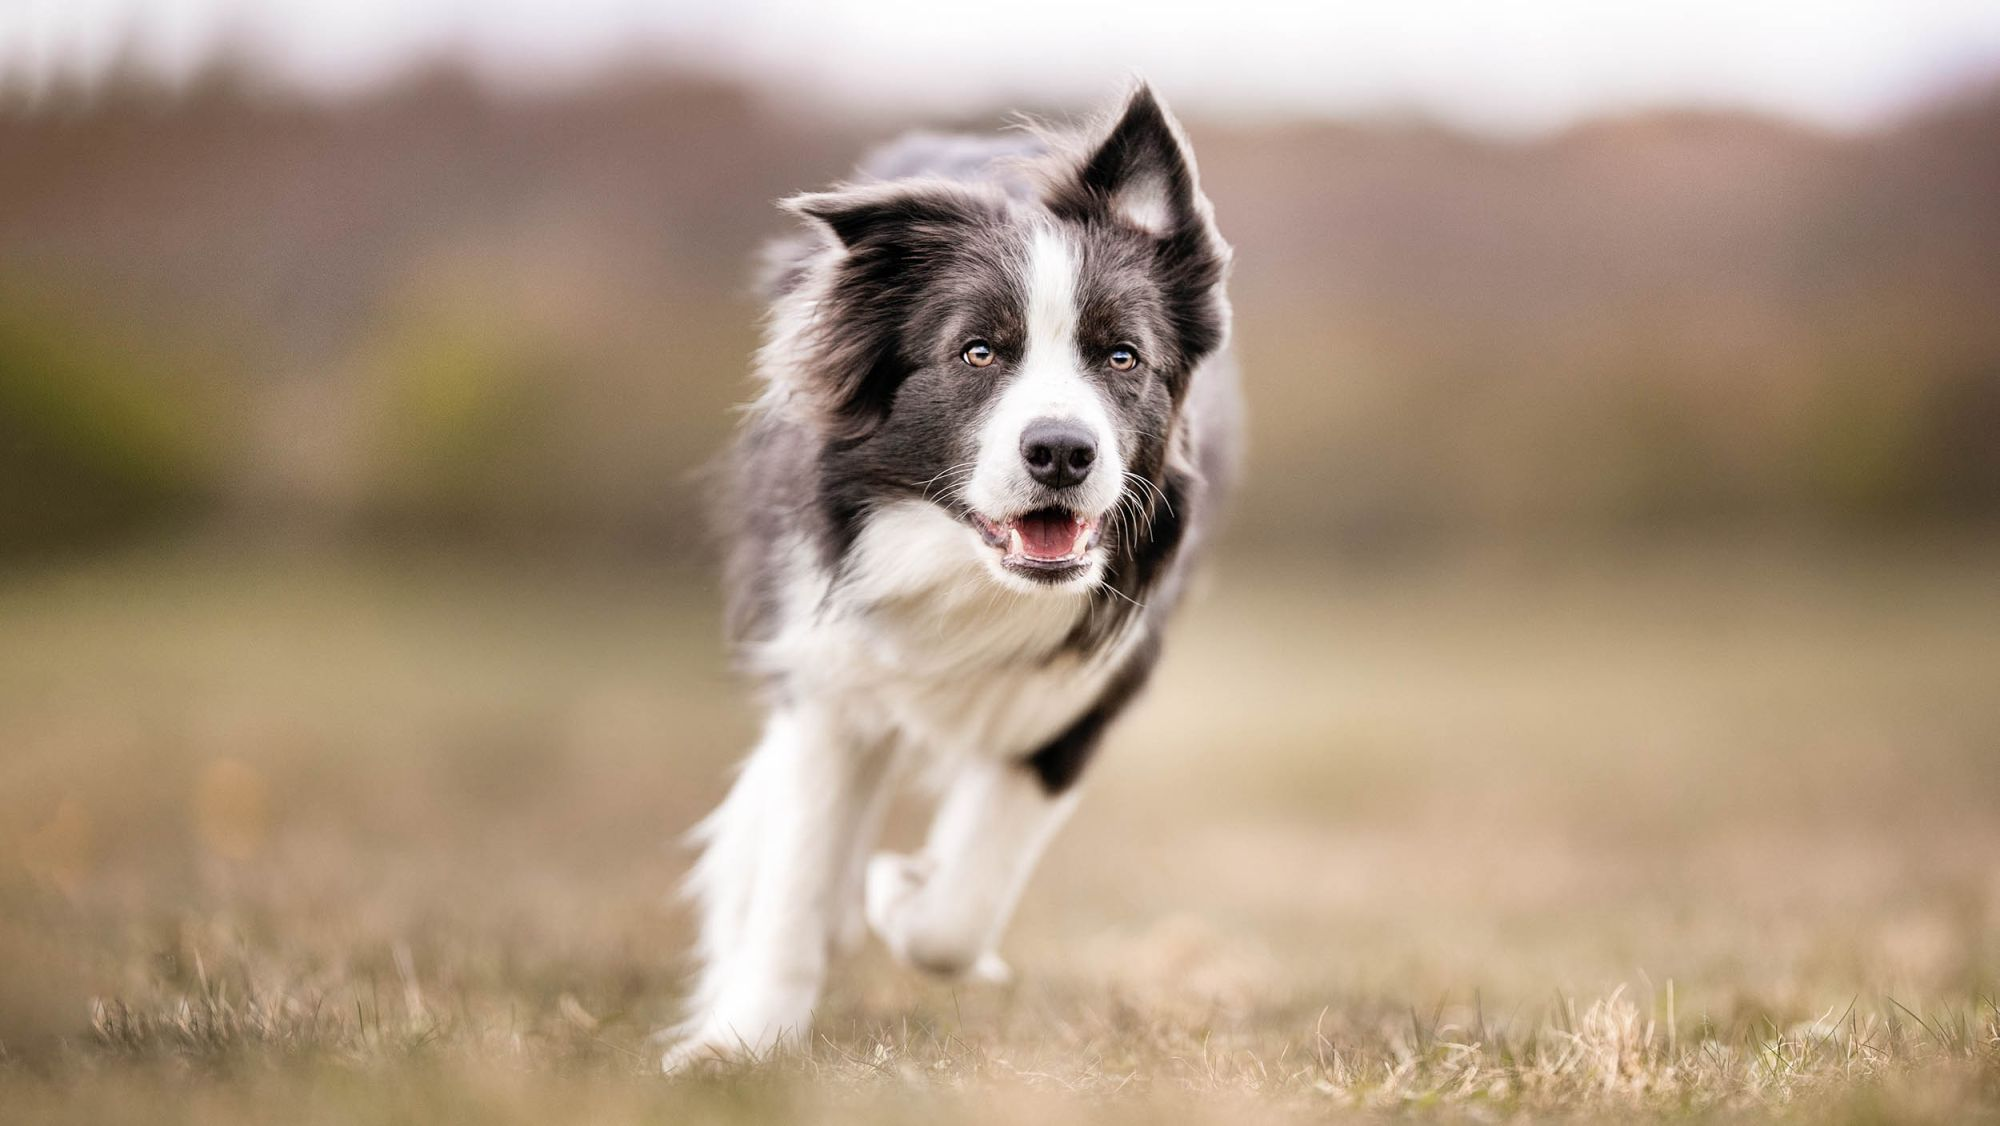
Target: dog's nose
x=1059 y=452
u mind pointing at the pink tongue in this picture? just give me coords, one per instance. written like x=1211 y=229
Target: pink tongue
x=1047 y=536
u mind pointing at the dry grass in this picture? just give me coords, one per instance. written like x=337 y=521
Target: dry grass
x=1708 y=835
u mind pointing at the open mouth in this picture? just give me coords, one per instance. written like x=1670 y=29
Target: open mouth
x=1048 y=543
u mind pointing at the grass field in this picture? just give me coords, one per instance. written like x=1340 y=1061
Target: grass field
x=1702 y=833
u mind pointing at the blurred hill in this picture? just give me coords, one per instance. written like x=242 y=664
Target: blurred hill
x=442 y=310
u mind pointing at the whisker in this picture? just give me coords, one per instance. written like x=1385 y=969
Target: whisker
x=1146 y=484
x=1139 y=510
x=1155 y=490
x=1114 y=590
x=1130 y=504
x=948 y=475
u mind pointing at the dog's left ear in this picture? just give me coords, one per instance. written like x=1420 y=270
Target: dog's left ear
x=1140 y=173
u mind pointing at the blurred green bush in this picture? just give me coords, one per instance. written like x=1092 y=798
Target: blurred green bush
x=99 y=437
x=461 y=420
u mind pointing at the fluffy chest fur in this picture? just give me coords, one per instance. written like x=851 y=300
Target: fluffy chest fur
x=919 y=645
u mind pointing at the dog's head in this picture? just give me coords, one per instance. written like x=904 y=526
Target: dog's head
x=1018 y=358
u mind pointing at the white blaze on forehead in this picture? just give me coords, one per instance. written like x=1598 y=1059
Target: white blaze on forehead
x=1051 y=300
x=1051 y=383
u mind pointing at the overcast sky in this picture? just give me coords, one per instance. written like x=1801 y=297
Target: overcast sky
x=1510 y=65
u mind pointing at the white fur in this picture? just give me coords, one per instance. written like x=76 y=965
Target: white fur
x=776 y=851
x=915 y=641
x=944 y=910
x=1144 y=203
x=1050 y=384
x=913 y=655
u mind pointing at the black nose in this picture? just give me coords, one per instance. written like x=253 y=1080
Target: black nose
x=1059 y=453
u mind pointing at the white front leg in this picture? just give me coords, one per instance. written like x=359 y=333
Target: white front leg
x=774 y=854
x=944 y=910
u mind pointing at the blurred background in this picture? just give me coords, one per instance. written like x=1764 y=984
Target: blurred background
x=446 y=270
x=1625 y=393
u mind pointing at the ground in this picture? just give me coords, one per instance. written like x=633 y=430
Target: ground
x=1617 y=832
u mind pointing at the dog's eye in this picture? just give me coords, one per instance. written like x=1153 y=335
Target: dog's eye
x=1123 y=358
x=978 y=353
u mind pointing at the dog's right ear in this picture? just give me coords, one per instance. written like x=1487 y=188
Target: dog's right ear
x=902 y=211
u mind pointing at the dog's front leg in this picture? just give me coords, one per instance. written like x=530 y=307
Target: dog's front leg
x=772 y=863
x=944 y=910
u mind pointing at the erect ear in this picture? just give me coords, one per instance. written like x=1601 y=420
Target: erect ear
x=1140 y=173
x=888 y=212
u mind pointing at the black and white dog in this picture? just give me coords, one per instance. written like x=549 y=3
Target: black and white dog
x=994 y=426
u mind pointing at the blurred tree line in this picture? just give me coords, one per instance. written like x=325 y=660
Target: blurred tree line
x=439 y=310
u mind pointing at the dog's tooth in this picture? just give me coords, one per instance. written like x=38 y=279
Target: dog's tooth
x=1014 y=544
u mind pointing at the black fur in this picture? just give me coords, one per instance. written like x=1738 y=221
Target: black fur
x=1059 y=763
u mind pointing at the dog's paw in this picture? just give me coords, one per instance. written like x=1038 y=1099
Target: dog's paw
x=740 y=1030
x=715 y=1044
x=914 y=931
x=991 y=969
x=711 y=1049
x=893 y=882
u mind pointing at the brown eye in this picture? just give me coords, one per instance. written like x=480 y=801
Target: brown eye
x=1123 y=358
x=978 y=354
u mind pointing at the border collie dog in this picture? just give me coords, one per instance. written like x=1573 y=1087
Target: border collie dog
x=994 y=425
